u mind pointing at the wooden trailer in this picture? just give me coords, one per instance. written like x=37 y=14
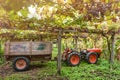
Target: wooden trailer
x=21 y=53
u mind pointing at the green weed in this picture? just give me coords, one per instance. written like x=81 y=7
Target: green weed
x=86 y=71
x=18 y=77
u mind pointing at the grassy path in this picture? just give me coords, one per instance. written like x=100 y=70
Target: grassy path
x=47 y=71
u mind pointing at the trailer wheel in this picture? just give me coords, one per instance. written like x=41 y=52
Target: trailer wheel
x=92 y=58
x=21 y=63
x=74 y=59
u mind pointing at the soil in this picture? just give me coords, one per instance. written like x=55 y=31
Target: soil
x=7 y=70
x=118 y=56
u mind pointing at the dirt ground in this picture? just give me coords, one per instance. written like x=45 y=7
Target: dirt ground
x=7 y=70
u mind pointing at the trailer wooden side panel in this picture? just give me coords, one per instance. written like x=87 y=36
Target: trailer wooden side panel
x=28 y=48
x=19 y=48
x=41 y=48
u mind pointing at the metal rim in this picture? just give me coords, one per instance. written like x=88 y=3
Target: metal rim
x=74 y=59
x=92 y=58
x=21 y=64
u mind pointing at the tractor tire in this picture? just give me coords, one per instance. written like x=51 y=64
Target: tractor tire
x=21 y=63
x=92 y=58
x=74 y=59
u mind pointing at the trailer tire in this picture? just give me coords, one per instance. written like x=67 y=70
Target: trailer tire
x=74 y=59
x=92 y=58
x=21 y=63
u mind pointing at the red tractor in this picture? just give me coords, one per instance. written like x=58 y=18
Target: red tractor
x=73 y=58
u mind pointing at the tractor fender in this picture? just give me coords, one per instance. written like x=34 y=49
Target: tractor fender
x=90 y=53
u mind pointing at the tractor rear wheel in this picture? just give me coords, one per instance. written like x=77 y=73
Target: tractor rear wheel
x=21 y=63
x=74 y=59
x=92 y=58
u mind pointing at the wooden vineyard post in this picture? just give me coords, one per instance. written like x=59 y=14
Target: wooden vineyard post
x=76 y=43
x=59 y=53
x=112 y=48
x=0 y=46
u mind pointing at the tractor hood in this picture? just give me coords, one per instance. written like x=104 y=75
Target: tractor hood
x=95 y=50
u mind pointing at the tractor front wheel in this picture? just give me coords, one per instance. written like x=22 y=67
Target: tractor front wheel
x=92 y=58
x=74 y=59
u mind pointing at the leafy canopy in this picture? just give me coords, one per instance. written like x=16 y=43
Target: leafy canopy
x=36 y=14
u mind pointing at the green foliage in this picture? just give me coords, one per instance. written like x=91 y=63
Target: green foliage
x=54 y=51
x=3 y=12
x=14 y=5
x=86 y=71
x=1 y=47
x=100 y=71
x=1 y=78
x=1 y=60
x=103 y=16
x=13 y=15
x=50 y=70
x=1 y=52
x=18 y=77
x=59 y=13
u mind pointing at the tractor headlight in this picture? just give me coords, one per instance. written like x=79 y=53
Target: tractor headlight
x=84 y=51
